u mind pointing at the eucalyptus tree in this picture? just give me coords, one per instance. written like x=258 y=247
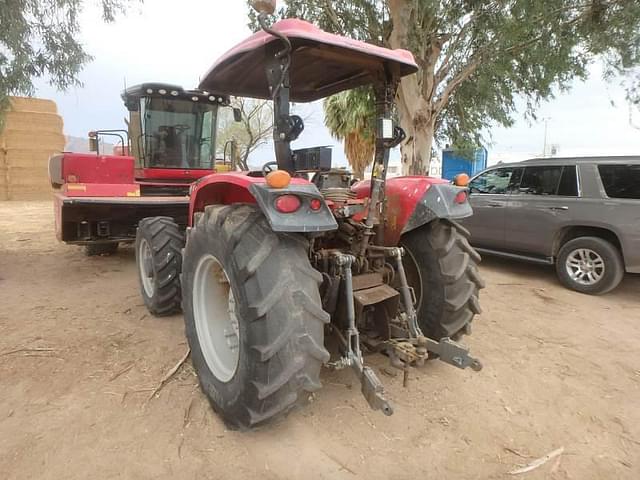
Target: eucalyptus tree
x=477 y=58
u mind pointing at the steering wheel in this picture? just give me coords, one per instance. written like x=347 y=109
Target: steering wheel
x=267 y=168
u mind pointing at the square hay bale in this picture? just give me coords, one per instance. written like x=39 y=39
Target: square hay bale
x=29 y=157
x=24 y=176
x=33 y=122
x=24 y=193
x=4 y=184
x=22 y=140
x=30 y=104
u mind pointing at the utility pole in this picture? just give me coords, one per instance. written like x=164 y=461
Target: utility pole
x=544 y=146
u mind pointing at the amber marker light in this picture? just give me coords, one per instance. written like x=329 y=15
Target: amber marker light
x=278 y=179
x=461 y=180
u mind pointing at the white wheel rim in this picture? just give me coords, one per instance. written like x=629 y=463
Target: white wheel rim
x=145 y=264
x=585 y=266
x=214 y=310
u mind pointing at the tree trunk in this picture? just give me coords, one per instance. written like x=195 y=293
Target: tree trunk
x=417 y=117
x=419 y=124
x=416 y=149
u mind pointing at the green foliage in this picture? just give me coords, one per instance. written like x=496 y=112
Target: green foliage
x=349 y=116
x=359 y=19
x=477 y=57
x=38 y=38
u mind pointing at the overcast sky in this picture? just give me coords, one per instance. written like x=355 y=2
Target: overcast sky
x=176 y=42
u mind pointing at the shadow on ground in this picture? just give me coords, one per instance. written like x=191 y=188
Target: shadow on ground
x=627 y=290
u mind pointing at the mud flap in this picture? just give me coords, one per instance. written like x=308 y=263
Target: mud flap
x=303 y=220
x=439 y=201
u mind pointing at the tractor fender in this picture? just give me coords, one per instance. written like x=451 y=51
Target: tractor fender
x=240 y=187
x=414 y=201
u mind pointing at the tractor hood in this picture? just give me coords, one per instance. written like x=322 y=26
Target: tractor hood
x=322 y=63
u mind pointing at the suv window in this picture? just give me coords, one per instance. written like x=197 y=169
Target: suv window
x=568 y=182
x=621 y=181
x=541 y=180
x=494 y=181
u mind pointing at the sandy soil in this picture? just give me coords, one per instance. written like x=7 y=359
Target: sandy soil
x=79 y=358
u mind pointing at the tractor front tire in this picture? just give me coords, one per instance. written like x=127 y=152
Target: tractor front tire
x=95 y=249
x=253 y=315
x=159 y=243
x=442 y=268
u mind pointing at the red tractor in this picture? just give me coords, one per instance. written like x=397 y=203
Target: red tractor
x=274 y=260
x=171 y=142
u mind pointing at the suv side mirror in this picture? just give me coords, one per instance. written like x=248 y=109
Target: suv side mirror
x=264 y=6
x=237 y=114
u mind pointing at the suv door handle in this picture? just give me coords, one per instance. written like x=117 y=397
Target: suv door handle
x=495 y=204
x=563 y=207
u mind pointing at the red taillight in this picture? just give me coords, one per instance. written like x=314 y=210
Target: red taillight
x=461 y=197
x=315 y=204
x=287 y=203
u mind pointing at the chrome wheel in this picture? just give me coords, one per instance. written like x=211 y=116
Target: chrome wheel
x=145 y=264
x=214 y=309
x=585 y=266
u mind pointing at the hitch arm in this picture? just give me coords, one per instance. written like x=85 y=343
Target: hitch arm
x=453 y=353
x=371 y=386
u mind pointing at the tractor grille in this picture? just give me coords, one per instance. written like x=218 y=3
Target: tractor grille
x=164 y=190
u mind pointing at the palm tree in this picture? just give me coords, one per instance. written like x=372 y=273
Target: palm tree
x=349 y=116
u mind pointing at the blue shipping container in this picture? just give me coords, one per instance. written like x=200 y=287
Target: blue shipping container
x=453 y=164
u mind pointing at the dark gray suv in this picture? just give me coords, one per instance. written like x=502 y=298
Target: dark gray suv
x=581 y=214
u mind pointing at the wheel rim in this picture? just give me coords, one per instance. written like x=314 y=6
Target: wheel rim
x=146 y=267
x=585 y=266
x=215 y=318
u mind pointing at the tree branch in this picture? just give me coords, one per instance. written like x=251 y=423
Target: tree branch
x=332 y=15
x=476 y=60
x=445 y=66
x=465 y=73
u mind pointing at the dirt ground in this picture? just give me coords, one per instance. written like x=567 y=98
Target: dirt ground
x=80 y=357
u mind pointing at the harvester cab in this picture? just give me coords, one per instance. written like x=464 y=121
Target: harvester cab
x=272 y=261
x=172 y=131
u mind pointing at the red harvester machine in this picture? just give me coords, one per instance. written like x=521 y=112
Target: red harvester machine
x=100 y=198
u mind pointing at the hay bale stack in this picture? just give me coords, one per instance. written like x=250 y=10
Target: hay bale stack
x=4 y=195
x=32 y=133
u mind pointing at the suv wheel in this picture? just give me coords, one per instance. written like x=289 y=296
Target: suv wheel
x=589 y=265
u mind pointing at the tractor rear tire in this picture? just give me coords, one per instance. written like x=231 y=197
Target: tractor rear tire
x=264 y=301
x=159 y=243
x=442 y=268
x=95 y=249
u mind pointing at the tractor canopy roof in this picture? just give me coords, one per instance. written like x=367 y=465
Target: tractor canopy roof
x=165 y=90
x=322 y=64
